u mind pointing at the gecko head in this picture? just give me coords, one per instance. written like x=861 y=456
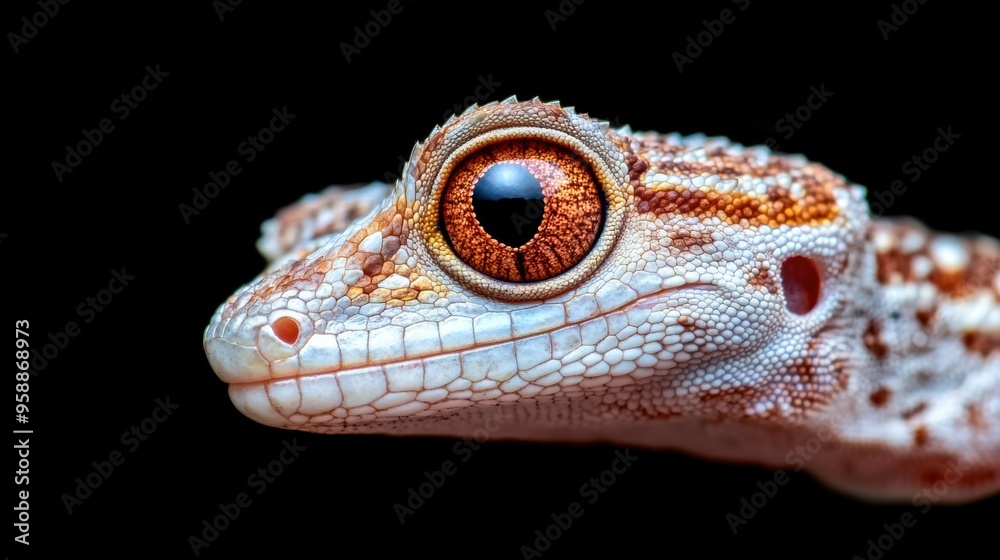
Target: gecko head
x=533 y=257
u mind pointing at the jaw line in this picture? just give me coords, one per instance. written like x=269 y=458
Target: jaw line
x=660 y=296
x=643 y=302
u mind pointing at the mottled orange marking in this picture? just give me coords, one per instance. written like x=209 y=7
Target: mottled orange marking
x=926 y=316
x=983 y=343
x=873 y=340
x=763 y=280
x=298 y=274
x=654 y=154
x=773 y=209
x=307 y=274
x=817 y=379
x=895 y=265
x=880 y=397
x=684 y=239
x=984 y=263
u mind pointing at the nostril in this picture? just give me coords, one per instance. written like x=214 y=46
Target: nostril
x=286 y=329
x=802 y=284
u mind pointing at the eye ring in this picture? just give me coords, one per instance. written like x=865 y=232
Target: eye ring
x=609 y=181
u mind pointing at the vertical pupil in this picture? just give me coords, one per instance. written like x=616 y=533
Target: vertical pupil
x=509 y=204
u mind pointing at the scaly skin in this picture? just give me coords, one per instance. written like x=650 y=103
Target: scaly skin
x=735 y=304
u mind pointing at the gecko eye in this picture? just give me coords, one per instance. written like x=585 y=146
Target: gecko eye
x=522 y=210
x=801 y=282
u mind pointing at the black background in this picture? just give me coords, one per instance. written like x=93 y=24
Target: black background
x=119 y=208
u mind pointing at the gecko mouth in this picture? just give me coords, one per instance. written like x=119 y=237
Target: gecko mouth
x=314 y=393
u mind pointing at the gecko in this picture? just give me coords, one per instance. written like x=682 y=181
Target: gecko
x=600 y=285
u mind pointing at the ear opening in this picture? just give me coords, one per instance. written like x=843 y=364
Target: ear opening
x=802 y=284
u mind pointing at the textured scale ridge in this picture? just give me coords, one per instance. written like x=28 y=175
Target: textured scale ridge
x=671 y=292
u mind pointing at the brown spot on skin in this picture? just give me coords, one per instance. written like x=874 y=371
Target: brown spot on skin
x=570 y=222
x=925 y=317
x=684 y=239
x=880 y=397
x=921 y=436
x=872 y=339
x=390 y=246
x=372 y=265
x=984 y=262
x=949 y=281
x=763 y=280
x=637 y=167
x=914 y=411
x=892 y=263
x=983 y=343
